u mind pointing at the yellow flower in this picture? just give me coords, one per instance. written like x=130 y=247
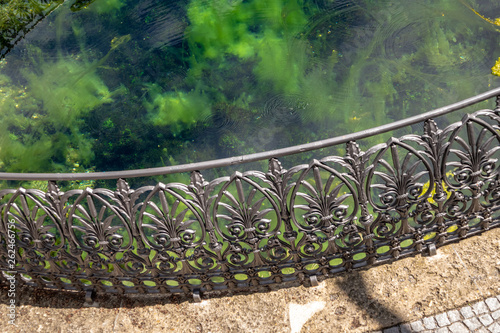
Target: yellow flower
x=495 y=70
x=425 y=187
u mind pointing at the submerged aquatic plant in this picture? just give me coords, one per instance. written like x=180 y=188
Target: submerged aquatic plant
x=262 y=32
x=221 y=36
x=17 y=17
x=66 y=89
x=178 y=110
x=234 y=77
x=353 y=68
x=100 y=7
x=40 y=129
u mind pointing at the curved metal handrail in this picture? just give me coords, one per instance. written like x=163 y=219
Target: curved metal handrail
x=252 y=229
x=256 y=156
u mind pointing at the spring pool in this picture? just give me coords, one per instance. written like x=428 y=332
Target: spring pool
x=116 y=85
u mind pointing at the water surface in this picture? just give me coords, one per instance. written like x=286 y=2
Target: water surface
x=116 y=84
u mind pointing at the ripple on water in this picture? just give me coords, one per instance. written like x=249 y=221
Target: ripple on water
x=285 y=109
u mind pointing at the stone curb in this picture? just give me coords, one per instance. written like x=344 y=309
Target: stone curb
x=480 y=317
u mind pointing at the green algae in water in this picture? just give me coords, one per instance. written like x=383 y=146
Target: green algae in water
x=136 y=84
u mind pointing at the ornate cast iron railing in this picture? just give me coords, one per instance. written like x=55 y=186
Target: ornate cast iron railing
x=252 y=229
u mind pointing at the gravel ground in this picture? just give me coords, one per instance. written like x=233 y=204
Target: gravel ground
x=406 y=291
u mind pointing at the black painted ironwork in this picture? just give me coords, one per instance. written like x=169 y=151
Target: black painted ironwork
x=256 y=228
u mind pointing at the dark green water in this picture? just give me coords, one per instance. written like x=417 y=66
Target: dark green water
x=131 y=84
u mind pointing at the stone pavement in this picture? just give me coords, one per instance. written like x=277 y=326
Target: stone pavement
x=480 y=317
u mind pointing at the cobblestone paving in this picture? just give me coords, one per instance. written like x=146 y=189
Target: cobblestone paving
x=480 y=317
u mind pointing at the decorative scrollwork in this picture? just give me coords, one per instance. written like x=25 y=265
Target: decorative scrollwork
x=472 y=160
x=39 y=226
x=475 y=159
x=96 y=225
x=326 y=203
x=174 y=225
x=397 y=182
x=256 y=228
x=401 y=183
x=241 y=217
